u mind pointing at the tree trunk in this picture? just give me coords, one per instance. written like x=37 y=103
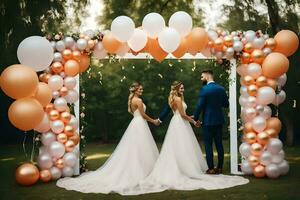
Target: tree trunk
x=273 y=15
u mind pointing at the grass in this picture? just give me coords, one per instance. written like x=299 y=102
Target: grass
x=286 y=187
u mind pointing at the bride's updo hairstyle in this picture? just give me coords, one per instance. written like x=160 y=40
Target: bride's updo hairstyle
x=174 y=92
x=133 y=88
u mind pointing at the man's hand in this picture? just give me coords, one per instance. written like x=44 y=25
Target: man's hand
x=156 y=122
x=198 y=124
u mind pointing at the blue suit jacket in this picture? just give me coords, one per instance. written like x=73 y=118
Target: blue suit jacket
x=164 y=113
x=212 y=98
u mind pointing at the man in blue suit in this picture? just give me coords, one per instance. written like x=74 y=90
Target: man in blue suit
x=212 y=98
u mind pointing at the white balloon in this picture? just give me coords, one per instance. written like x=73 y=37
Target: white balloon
x=58 y=57
x=55 y=94
x=74 y=122
x=123 y=50
x=277 y=158
x=56 y=149
x=219 y=54
x=99 y=51
x=60 y=104
x=266 y=158
x=169 y=40
x=243 y=91
x=60 y=45
x=249 y=114
x=55 y=173
x=250 y=35
x=81 y=44
x=229 y=53
x=69 y=42
x=53 y=44
x=45 y=161
x=259 y=123
x=266 y=113
x=153 y=24
x=272 y=171
x=238 y=46
x=43 y=149
x=284 y=167
x=72 y=96
x=251 y=101
x=44 y=125
x=90 y=33
x=48 y=138
x=282 y=80
x=70 y=159
x=274 y=146
x=243 y=101
x=67 y=171
x=122 y=28
x=279 y=98
x=70 y=82
x=267 y=51
x=258 y=42
x=57 y=126
x=259 y=109
x=254 y=70
x=212 y=35
x=246 y=167
x=182 y=22
x=55 y=82
x=35 y=52
x=245 y=149
x=265 y=95
x=138 y=40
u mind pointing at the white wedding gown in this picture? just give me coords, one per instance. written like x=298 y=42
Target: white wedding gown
x=181 y=165
x=131 y=162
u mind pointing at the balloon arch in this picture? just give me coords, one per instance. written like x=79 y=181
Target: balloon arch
x=43 y=102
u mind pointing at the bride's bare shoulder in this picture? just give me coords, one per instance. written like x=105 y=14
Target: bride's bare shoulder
x=137 y=100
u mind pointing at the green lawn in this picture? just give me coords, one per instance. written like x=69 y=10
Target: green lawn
x=286 y=187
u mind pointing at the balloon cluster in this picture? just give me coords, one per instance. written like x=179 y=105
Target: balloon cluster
x=262 y=69
x=154 y=37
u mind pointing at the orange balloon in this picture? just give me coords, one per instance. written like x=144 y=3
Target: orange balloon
x=59 y=163
x=110 y=43
x=69 y=145
x=257 y=56
x=253 y=160
x=262 y=138
x=84 y=63
x=27 y=174
x=45 y=175
x=53 y=115
x=274 y=65
x=65 y=117
x=43 y=94
x=274 y=123
x=228 y=40
x=182 y=49
x=155 y=50
x=248 y=47
x=71 y=68
x=248 y=127
x=270 y=43
x=259 y=171
x=256 y=149
x=49 y=107
x=272 y=83
x=69 y=130
x=67 y=54
x=250 y=137
x=18 y=81
x=75 y=138
x=197 y=40
x=252 y=90
x=76 y=55
x=287 y=42
x=57 y=67
x=25 y=113
x=261 y=81
x=248 y=80
x=271 y=132
x=62 y=138
x=245 y=58
x=218 y=44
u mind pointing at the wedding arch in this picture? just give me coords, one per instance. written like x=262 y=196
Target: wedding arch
x=43 y=100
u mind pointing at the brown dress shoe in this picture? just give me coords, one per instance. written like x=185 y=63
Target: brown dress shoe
x=210 y=171
x=218 y=170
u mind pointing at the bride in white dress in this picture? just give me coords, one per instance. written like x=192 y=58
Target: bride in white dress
x=132 y=160
x=181 y=165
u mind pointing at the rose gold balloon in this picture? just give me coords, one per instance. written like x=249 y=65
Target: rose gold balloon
x=272 y=133
x=287 y=42
x=218 y=44
x=110 y=43
x=228 y=40
x=262 y=138
x=57 y=67
x=69 y=130
x=259 y=171
x=182 y=49
x=76 y=55
x=59 y=163
x=42 y=77
x=25 y=113
x=18 y=81
x=69 y=145
x=274 y=123
x=91 y=44
x=274 y=65
x=67 y=54
x=250 y=137
x=245 y=58
x=47 y=78
x=63 y=91
x=84 y=63
x=62 y=138
x=256 y=149
x=270 y=43
x=45 y=175
x=248 y=128
x=75 y=138
x=27 y=174
x=248 y=48
x=261 y=81
x=253 y=160
x=272 y=83
x=257 y=56
x=49 y=107
x=53 y=115
x=248 y=80
x=71 y=68
x=65 y=117
x=43 y=94
x=252 y=90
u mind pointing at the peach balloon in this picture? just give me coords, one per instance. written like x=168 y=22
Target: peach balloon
x=197 y=40
x=43 y=94
x=155 y=50
x=25 y=113
x=71 y=68
x=261 y=81
x=259 y=171
x=84 y=63
x=27 y=174
x=182 y=49
x=274 y=123
x=257 y=56
x=242 y=69
x=287 y=42
x=45 y=175
x=274 y=65
x=18 y=81
x=110 y=44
